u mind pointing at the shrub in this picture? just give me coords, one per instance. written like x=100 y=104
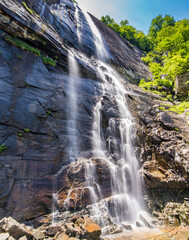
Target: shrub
x=180 y=108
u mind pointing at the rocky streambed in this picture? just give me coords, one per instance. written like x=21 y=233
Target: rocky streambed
x=84 y=228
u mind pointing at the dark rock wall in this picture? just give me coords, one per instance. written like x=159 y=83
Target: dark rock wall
x=34 y=113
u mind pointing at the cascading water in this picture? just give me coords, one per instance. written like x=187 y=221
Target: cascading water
x=72 y=129
x=73 y=84
x=125 y=203
x=101 y=50
x=126 y=200
x=77 y=17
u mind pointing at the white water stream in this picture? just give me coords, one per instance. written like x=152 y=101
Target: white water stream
x=126 y=202
x=73 y=84
x=126 y=198
x=101 y=51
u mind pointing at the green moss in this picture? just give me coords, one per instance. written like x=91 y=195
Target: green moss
x=48 y=60
x=169 y=98
x=162 y=108
x=26 y=130
x=19 y=134
x=49 y=112
x=32 y=12
x=24 y=46
x=2 y=148
x=18 y=56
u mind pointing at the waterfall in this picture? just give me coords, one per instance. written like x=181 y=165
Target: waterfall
x=125 y=204
x=126 y=200
x=78 y=22
x=101 y=50
x=73 y=84
x=72 y=129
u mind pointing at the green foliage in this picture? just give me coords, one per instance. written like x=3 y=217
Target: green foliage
x=2 y=148
x=24 y=46
x=107 y=20
x=158 y=23
x=128 y=32
x=49 y=112
x=180 y=108
x=48 y=60
x=26 y=130
x=19 y=134
x=170 y=55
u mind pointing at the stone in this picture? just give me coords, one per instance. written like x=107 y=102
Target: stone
x=126 y=225
x=14 y=228
x=93 y=230
x=52 y=231
x=23 y=238
x=11 y=238
x=37 y=234
x=182 y=85
x=63 y=236
x=4 y=236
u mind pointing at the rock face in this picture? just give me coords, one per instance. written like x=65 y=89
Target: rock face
x=182 y=85
x=163 y=140
x=34 y=115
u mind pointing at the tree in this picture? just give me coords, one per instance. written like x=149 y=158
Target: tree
x=107 y=20
x=124 y=23
x=158 y=23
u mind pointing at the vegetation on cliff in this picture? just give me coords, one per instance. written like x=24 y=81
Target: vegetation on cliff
x=136 y=37
x=167 y=53
x=24 y=46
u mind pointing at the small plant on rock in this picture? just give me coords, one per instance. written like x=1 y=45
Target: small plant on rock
x=26 y=130
x=2 y=148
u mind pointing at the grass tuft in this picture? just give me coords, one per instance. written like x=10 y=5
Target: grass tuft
x=24 y=46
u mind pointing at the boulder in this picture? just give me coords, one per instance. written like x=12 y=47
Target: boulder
x=182 y=85
x=23 y=238
x=62 y=236
x=93 y=230
x=4 y=236
x=14 y=228
x=38 y=235
x=52 y=231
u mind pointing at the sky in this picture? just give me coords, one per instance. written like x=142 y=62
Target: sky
x=139 y=13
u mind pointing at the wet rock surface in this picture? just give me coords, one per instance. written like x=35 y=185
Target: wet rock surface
x=163 y=149
x=34 y=114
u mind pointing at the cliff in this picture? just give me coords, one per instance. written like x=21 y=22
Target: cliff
x=38 y=176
